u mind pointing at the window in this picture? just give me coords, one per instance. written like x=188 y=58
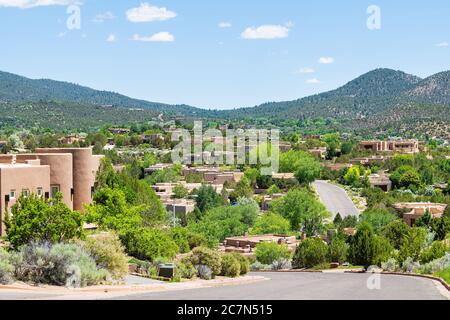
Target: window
x=54 y=190
x=12 y=194
x=26 y=193
x=40 y=192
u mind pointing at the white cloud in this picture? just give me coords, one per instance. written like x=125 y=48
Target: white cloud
x=225 y=25
x=27 y=4
x=442 y=44
x=266 y=32
x=313 y=81
x=289 y=24
x=157 y=37
x=326 y=60
x=149 y=13
x=102 y=17
x=61 y=34
x=111 y=38
x=305 y=70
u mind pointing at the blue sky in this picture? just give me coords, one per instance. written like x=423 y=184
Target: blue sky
x=221 y=53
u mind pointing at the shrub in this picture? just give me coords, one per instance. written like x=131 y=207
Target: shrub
x=108 y=253
x=282 y=264
x=231 y=266
x=186 y=240
x=409 y=265
x=149 y=244
x=60 y=264
x=26 y=222
x=268 y=252
x=6 y=268
x=436 y=265
x=243 y=261
x=202 y=256
x=391 y=265
x=310 y=253
x=258 y=266
x=185 y=270
x=338 y=251
x=437 y=250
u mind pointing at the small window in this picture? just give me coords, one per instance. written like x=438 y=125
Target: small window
x=54 y=190
x=12 y=194
x=26 y=193
x=40 y=192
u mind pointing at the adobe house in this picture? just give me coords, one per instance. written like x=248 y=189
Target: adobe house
x=179 y=206
x=320 y=153
x=400 y=146
x=382 y=181
x=48 y=171
x=247 y=244
x=338 y=166
x=415 y=210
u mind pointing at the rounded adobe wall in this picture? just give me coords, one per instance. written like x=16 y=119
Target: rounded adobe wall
x=82 y=173
x=82 y=177
x=61 y=172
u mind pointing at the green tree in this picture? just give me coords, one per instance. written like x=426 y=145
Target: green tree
x=352 y=176
x=34 y=219
x=271 y=223
x=310 y=253
x=338 y=251
x=412 y=244
x=308 y=170
x=207 y=198
x=441 y=226
x=303 y=211
x=378 y=218
x=395 y=232
x=362 y=246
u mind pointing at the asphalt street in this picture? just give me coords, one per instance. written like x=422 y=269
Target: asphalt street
x=336 y=199
x=311 y=286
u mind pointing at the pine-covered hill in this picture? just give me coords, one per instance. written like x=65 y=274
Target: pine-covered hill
x=379 y=100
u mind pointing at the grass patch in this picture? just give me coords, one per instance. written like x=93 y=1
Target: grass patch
x=444 y=275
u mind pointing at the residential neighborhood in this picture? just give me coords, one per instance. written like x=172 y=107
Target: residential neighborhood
x=214 y=158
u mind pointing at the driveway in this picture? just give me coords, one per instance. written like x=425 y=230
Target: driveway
x=335 y=199
x=309 y=286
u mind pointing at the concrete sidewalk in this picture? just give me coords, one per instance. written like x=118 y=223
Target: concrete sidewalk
x=134 y=285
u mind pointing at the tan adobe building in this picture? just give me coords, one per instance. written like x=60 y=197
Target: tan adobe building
x=247 y=244
x=382 y=181
x=415 y=210
x=48 y=171
x=400 y=146
x=320 y=153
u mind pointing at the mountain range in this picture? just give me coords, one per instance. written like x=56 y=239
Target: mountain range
x=376 y=101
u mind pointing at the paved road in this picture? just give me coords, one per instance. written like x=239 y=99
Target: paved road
x=282 y=286
x=336 y=199
x=310 y=286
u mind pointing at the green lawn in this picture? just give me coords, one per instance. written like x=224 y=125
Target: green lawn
x=444 y=275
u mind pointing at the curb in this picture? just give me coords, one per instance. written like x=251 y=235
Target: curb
x=413 y=275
